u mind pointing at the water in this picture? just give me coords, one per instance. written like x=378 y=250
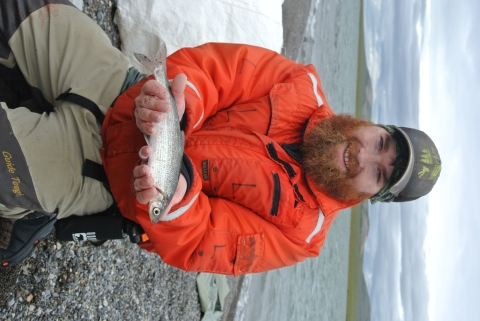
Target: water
x=317 y=288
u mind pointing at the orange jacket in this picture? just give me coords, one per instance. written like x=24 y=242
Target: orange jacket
x=249 y=208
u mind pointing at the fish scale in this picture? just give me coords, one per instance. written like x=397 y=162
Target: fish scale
x=167 y=142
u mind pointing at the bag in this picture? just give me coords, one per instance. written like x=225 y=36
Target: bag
x=107 y=225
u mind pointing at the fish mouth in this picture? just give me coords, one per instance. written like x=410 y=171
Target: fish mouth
x=157 y=207
x=157 y=212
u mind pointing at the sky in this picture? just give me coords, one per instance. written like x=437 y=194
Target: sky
x=451 y=97
x=422 y=258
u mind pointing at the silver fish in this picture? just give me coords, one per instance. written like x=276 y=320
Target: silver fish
x=167 y=142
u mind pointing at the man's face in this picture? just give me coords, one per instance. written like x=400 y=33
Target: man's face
x=374 y=157
x=350 y=158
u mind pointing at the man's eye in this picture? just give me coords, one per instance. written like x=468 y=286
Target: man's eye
x=379 y=175
x=381 y=143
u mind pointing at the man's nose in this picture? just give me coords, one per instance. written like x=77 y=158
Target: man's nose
x=366 y=157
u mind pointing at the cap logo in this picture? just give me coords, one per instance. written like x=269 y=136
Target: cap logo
x=430 y=157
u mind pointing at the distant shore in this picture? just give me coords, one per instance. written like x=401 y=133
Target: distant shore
x=358 y=300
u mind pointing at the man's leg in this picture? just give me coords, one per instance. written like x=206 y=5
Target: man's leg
x=54 y=147
x=58 y=47
x=55 y=47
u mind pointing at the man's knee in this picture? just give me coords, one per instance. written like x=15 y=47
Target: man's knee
x=13 y=13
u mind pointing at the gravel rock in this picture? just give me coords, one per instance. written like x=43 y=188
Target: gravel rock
x=116 y=281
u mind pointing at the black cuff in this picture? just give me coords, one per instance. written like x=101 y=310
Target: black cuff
x=187 y=171
x=183 y=122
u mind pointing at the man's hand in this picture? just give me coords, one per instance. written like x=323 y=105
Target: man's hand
x=152 y=103
x=143 y=182
x=150 y=106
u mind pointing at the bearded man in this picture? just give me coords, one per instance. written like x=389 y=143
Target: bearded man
x=267 y=165
x=270 y=165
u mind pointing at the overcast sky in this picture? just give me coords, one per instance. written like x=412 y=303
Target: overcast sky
x=450 y=77
x=422 y=259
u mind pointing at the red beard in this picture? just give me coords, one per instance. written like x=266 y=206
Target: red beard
x=319 y=148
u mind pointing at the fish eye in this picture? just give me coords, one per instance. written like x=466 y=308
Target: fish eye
x=156 y=211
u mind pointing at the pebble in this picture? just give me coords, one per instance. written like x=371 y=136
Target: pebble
x=39 y=312
x=10 y=300
x=100 y=18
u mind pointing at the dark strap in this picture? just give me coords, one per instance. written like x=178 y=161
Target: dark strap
x=83 y=102
x=94 y=170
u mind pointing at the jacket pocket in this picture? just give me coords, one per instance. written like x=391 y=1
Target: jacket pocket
x=250 y=250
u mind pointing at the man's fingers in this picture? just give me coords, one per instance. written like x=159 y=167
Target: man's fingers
x=145 y=196
x=178 y=84
x=145 y=152
x=153 y=88
x=146 y=128
x=152 y=103
x=148 y=115
x=178 y=90
x=141 y=171
x=143 y=183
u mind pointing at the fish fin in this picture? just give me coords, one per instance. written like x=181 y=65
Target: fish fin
x=148 y=62
x=147 y=139
x=161 y=56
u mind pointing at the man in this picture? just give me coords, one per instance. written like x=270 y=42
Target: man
x=267 y=165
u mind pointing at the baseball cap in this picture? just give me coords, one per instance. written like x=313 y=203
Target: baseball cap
x=417 y=166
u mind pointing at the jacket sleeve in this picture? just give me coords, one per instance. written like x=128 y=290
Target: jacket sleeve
x=218 y=236
x=220 y=75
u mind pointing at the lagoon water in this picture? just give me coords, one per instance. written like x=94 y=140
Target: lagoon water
x=317 y=288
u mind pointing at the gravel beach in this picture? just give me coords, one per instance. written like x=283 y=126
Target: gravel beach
x=115 y=281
